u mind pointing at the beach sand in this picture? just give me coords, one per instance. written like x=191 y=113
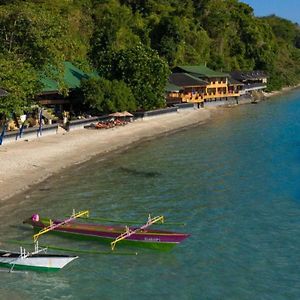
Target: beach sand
x=26 y=163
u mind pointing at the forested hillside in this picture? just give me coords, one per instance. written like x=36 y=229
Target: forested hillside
x=134 y=43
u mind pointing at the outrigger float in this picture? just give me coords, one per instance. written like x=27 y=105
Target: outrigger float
x=38 y=260
x=134 y=236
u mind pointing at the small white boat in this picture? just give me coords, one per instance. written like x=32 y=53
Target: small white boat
x=38 y=260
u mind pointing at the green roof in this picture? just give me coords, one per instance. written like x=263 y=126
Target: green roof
x=72 y=78
x=49 y=85
x=186 y=80
x=172 y=87
x=202 y=71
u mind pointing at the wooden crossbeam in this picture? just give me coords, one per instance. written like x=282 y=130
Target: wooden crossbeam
x=53 y=226
x=128 y=232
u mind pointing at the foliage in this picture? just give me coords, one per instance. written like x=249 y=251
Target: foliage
x=46 y=33
x=166 y=38
x=179 y=41
x=240 y=40
x=286 y=70
x=130 y=40
x=107 y=96
x=115 y=28
x=144 y=72
x=19 y=79
x=31 y=33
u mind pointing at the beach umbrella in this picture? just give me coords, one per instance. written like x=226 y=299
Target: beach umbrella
x=116 y=114
x=127 y=114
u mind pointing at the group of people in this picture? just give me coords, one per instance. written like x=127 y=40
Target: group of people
x=110 y=124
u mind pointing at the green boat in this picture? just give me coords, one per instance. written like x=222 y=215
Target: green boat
x=134 y=236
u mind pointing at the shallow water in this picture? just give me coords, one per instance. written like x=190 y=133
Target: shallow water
x=234 y=181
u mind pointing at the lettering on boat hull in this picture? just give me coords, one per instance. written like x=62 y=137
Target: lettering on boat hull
x=152 y=239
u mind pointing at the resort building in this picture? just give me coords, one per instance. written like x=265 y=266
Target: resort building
x=183 y=87
x=58 y=99
x=200 y=84
x=253 y=80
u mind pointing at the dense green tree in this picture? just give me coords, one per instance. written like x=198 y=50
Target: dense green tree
x=166 y=38
x=45 y=34
x=107 y=96
x=121 y=97
x=239 y=40
x=153 y=7
x=115 y=29
x=283 y=29
x=118 y=38
x=93 y=91
x=19 y=79
x=196 y=46
x=143 y=71
x=297 y=40
x=286 y=67
x=32 y=34
x=42 y=36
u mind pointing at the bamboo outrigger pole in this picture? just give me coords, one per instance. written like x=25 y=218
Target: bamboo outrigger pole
x=53 y=226
x=130 y=232
x=73 y=250
x=100 y=219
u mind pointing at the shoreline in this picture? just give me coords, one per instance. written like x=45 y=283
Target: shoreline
x=283 y=91
x=24 y=164
x=27 y=163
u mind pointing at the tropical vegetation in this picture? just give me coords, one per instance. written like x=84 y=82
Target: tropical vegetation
x=133 y=44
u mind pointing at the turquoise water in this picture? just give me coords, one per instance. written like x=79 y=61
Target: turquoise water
x=234 y=181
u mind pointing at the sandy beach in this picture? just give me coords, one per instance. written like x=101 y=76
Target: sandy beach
x=26 y=163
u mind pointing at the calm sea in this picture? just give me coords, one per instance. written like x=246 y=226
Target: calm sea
x=234 y=181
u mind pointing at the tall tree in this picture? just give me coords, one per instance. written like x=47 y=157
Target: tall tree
x=143 y=71
x=20 y=80
x=115 y=29
x=31 y=32
x=107 y=96
x=180 y=41
x=286 y=67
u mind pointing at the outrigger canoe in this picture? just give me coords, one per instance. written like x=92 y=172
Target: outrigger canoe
x=38 y=260
x=134 y=236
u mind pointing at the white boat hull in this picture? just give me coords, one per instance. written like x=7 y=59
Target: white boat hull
x=38 y=262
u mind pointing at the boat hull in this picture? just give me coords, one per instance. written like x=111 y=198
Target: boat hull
x=36 y=262
x=154 y=239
